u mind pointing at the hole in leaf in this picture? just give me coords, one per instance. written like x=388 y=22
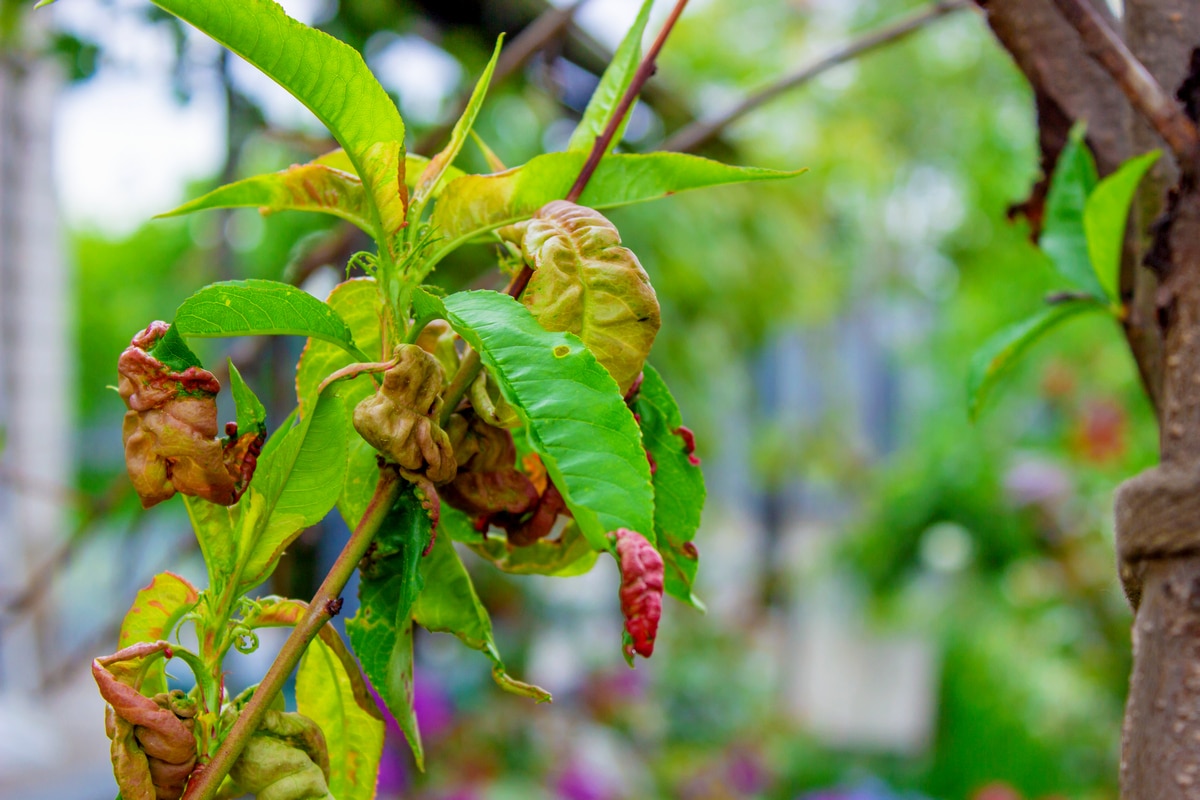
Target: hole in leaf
x=562 y=350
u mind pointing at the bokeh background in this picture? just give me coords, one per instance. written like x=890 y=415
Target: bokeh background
x=900 y=604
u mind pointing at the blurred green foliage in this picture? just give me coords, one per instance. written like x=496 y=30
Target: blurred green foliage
x=898 y=237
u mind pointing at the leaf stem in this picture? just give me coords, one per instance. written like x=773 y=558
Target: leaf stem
x=468 y=371
x=206 y=781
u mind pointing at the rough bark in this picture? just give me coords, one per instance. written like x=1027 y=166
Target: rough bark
x=1161 y=33
x=1161 y=736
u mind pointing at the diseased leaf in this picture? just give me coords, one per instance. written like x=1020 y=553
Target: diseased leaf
x=353 y=737
x=449 y=604
x=251 y=415
x=327 y=76
x=586 y=283
x=155 y=612
x=381 y=631
x=476 y=204
x=260 y=308
x=414 y=165
x=1105 y=216
x=565 y=557
x=679 y=491
x=304 y=477
x=357 y=302
x=616 y=79
x=300 y=187
x=997 y=356
x=565 y=397
x=1062 y=237
x=433 y=175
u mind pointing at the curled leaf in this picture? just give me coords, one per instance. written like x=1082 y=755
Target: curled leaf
x=490 y=405
x=153 y=748
x=586 y=283
x=438 y=340
x=641 y=591
x=170 y=429
x=400 y=420
x=285 y=759
x=487 y=481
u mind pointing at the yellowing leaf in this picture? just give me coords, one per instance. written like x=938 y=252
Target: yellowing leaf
x=586 y=283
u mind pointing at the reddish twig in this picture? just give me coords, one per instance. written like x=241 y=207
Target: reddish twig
x=644 y=71
x=1143 y=91
x=600 y=147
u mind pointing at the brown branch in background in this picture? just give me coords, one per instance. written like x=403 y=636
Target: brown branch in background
x=549 y=26
x=699 y=133
x=1143 y=91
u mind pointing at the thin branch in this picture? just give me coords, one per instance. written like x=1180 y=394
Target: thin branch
x=1143 y=91
x=644 y=71
x=326 y=603
x=697 y=134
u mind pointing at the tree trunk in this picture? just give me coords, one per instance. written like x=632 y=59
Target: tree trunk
x=1158 y=512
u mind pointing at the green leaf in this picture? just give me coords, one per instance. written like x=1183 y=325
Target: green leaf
x=251 y=415
x=381 y=631
x=299 y=476
x=566 y=557
x=261 y=308
x=475 y=204
x=575 y=417
x=300 y=482
x=214 y=527
x=679 y=491
x=449 y=604
x=353 y=736
x=998 y=354
x=1105 y=216
x=173 y=351
x=612 y=87
x=432 y=176
x=586 y=283
x=155 y=612
x=305 y=475
x=300 y=187
x=1062 y=237
x=357 y=301
x=327 y=76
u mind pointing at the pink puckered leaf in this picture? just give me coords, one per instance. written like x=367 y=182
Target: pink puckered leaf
x=641 y=591
x=153 y=748
x=170 y=430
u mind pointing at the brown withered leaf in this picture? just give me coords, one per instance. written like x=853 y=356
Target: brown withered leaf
x=170 y=430
x=153 y=748
x=586 y=283
x=401 y=419
x=488 y=481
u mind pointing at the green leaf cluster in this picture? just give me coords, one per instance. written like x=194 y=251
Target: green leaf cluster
x=1082 y=234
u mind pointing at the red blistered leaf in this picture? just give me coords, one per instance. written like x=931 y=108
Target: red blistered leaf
x=641 y=591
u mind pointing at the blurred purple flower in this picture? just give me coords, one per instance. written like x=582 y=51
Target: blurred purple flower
x=435 y=713
x=576 y=782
